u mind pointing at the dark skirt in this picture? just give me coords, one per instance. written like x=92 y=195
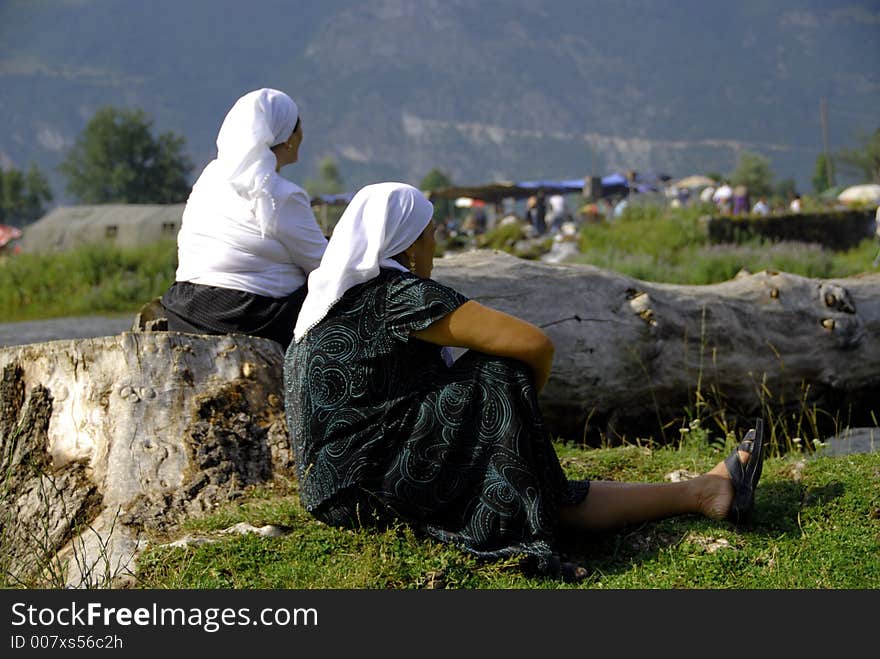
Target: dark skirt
x=199 y=309
x=479 y=470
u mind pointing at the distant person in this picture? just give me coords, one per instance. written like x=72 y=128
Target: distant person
x=385 y=429
x=706 y=194
x=556 y=216
x=442 y=232
x=538 y=213
x=683 y=196
x=606 y=209
x=248 y=238
x=761 y=207
x=795 y=205
x=620 y=207
x=590 y=213
x=722 y=198
x=740 y=200
x=530 y=211
x=481 y=219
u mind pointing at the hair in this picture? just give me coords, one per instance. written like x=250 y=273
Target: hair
x=282 y=142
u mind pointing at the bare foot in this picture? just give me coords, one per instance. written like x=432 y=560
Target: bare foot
x=716 y=493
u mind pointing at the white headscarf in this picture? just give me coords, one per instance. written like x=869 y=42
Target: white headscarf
x=257 y=121
x=381 y=221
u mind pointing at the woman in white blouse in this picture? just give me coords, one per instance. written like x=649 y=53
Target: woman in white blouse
x=248 y=238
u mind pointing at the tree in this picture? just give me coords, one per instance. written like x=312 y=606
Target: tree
x=329 y=182
x=865 y=160
x=23 y=196
x=11 y=193
x=753 y=171
x=116 y=159
x=821 y=181
x=784 y=191
x=329 y=179
x=435 y=180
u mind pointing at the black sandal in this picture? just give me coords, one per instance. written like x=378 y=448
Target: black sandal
x=745 y=476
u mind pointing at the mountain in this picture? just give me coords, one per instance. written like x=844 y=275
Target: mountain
x=483 y=89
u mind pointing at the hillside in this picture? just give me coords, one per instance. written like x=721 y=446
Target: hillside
x=500 y=89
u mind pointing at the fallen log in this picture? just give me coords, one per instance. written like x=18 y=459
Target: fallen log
x=636 y=359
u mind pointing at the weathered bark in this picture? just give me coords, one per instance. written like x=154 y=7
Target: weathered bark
x=634 y=359
x=41 y=506
x=121 y=438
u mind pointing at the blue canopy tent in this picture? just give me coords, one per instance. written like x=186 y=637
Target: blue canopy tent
x=651 y=181
x=615 y=185
x=615 y=180
x=619 y=184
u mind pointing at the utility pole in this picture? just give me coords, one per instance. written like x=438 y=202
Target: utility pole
x=823 y=117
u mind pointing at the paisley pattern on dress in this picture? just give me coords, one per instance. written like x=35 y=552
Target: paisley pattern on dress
x=382 y=428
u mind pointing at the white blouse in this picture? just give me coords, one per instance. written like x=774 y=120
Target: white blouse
x=220 y=242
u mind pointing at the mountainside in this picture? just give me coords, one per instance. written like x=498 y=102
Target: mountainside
x=488 y=90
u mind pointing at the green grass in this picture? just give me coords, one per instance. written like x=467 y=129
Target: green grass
x=653 y=244
x=92 y=279
x=817 y=525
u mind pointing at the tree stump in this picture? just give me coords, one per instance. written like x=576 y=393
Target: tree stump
x=110 y=441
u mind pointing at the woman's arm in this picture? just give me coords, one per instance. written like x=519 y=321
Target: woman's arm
x=298 y=230
x=494 y=332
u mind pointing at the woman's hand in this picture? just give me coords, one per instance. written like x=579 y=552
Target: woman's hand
x=494 y=332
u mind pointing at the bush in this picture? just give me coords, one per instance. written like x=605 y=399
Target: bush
x=504 y=237
x=838 y=230
x=672 y=246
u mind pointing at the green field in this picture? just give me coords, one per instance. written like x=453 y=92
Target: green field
x=817 y=525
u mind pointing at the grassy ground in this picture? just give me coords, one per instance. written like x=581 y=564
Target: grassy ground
x=817 y=526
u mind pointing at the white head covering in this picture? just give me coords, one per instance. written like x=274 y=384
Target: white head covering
x=257 y=121
x=381 y=221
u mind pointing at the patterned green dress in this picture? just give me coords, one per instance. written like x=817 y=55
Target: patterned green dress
x=383 y=429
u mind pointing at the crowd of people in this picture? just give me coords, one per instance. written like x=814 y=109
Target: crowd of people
x=546 y=213
x=736 y=199
x=543 y=215
x=552 y=213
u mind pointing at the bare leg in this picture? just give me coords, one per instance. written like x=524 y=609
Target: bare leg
x=612 y=505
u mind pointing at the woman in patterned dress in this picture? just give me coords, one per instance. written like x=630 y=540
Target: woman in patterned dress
x=386 y=426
